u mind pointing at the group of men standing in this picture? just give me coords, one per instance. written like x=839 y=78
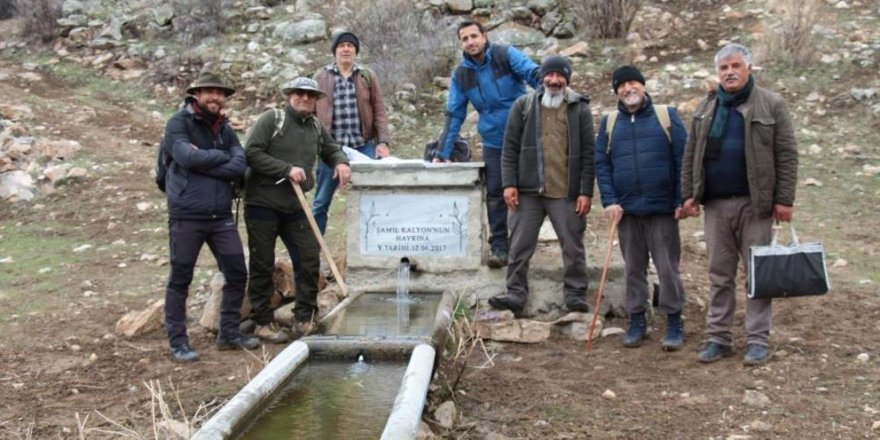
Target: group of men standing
x=739 y=162
x=541 y=158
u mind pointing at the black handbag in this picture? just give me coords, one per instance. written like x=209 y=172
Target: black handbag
x=778 y=271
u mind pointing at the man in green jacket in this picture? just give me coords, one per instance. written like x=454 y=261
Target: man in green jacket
x=740 y=162
x=281 y=151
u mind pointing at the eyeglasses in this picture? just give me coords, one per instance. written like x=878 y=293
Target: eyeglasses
x=305 y=94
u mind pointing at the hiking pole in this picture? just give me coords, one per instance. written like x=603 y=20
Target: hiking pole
x=601 y=285
x=308 y=210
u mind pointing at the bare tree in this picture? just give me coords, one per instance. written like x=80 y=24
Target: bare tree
x=605 y=18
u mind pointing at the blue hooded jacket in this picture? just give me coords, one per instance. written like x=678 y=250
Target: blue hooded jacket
x=491 y=87
x=642 y=172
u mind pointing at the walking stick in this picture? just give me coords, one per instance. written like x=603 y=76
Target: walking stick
x=601 y=286
x=308 y=209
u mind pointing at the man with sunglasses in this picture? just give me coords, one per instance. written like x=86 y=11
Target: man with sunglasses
x=281 y=151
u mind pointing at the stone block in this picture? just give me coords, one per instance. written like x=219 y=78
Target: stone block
x=139 y=322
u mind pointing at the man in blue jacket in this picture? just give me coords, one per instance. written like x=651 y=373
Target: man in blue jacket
x=638 y=169
x=490 y=77
x=206 y=158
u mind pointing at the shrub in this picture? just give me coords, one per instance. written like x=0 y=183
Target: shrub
x=7 y=9
x=403 y=43
x=788 y=33
x=605 y=18
x=38 y=18
x=198 y=19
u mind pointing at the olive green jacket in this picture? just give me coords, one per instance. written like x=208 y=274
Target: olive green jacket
x=300 y=142
x=770 y=149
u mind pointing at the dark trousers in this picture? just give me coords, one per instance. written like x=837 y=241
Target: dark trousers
x=525 y=225
x=655 y=235
x=264 y=227
x=496 y=210
x=186 y=238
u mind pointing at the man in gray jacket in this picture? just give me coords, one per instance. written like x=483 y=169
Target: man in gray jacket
x=547 y=170
x=740 y=161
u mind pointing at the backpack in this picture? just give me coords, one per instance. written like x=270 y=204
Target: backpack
x=461 y=151
x=662 y=113
x=163 y=161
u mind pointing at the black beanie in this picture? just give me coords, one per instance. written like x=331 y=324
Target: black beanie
x=558 y=64
x=625 y=73
x=346 y=37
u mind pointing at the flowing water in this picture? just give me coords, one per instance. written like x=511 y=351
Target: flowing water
x=332 y=399
x=382 y=314
x=403 y=300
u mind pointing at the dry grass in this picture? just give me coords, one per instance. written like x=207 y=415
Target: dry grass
x=605 y=18
x=788 y=35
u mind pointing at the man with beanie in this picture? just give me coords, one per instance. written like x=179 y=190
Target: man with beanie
x=638 y=169
x=281 y=151
x=740 y=162
x=490 y=77
x=206 y=158
x=354 y=112
x=547 y=171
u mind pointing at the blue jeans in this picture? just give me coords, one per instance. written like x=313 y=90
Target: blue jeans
x=496 y=210
x=326 y=186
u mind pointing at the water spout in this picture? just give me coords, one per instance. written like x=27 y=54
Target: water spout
x=403 y=293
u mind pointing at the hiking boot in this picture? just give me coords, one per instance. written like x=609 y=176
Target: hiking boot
x=497 y=259
x=303 y=328
x=756 y=354
x=507 y=301
x=637 y=331
x=183 y=353
x=713 y=352
x=577 y=305
x=674 y=338
x=272 y=333
x=236 y=342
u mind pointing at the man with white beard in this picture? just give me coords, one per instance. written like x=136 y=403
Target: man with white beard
x=547 y=171
x=638 y=163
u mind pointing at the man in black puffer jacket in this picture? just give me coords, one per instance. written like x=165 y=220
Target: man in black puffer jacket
x=207 y=158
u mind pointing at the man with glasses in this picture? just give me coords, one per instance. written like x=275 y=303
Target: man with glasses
x=281 y=151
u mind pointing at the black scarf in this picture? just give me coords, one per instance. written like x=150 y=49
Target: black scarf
x=723 y=103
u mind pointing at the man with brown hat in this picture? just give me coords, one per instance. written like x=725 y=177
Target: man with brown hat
x=206 y=158
x=281 y=151
x=547 y=171
x=353 y=111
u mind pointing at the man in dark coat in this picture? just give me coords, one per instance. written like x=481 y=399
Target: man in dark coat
x=547 y=171
x=206 y=158
x=638 y=168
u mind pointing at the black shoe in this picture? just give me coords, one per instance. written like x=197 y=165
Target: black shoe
x=507 y=302
x=674 y=338
x=236 y=342
x=713 y=352
x=183 y=353
x=497 y=259
x=578 y=305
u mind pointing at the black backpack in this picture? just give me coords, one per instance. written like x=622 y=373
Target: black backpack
x=461 y=150
x=163 y=161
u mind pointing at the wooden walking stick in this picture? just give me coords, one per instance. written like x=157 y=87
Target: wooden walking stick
x=601 y=286
x=308 y=209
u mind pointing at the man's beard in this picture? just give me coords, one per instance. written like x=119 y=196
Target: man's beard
x=552 y=100
x=633 y=100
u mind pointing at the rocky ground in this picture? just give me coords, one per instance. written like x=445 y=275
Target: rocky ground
x=86 y=242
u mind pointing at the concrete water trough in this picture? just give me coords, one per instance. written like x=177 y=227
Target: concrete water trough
x=360 y=379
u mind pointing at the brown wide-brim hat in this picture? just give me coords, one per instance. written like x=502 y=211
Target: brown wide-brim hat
x=210 y=80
